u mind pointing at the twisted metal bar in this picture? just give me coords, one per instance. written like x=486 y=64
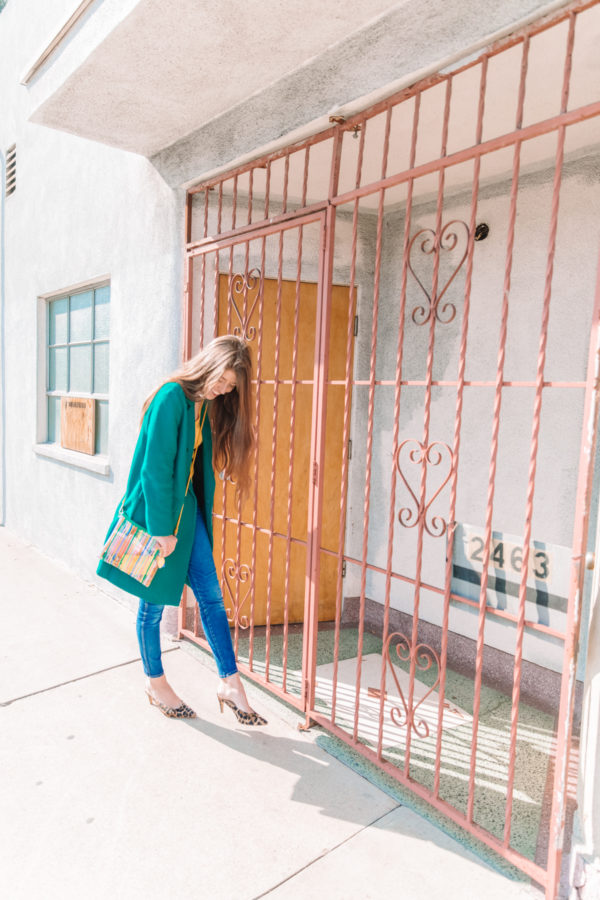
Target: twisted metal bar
x=267 y=190
x=305 y=174
x=234 y=203
x=346 y=435
x=225 y=480
x=246 y=317
x=495 y=432
x=288 y=543
x=250 y=195
x=457 y=430
x=537 y=411
x=286 y=175
x=370 y=418
x=272 y=485
x=396 y=427
x=257 y=411
x=203 y=271
x=427 y=417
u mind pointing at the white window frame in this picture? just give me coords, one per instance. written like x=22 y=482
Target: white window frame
x=99 y=463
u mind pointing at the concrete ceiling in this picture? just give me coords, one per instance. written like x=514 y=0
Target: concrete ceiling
x=544 y=84
x=168 y=68
x=196 y=85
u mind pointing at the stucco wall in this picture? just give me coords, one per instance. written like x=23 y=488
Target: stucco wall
x=81 y=211
x=573 y=292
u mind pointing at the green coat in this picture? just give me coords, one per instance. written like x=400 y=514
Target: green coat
x=156 y=488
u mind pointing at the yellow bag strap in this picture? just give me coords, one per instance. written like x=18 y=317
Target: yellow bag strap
x=197 y=442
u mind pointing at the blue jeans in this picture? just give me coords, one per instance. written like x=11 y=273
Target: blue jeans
x=203 y=580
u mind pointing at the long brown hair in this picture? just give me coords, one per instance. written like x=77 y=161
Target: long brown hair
x=229 y=413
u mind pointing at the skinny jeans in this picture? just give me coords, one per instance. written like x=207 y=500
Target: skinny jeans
x=202 y=577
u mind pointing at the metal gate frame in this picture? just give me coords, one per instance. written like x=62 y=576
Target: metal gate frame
x=325 y=212
x=317 y=216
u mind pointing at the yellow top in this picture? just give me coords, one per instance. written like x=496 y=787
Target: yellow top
x=201 y=416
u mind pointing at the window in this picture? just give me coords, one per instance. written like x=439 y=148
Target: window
x=77 y=354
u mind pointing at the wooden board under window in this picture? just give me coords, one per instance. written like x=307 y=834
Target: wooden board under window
x=77 y=424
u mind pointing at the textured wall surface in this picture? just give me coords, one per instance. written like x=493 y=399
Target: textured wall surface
x=560 y=436
x=81 y=211
x=196 y=85
x=84 y=210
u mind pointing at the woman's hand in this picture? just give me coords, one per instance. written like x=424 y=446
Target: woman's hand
x=166 y=543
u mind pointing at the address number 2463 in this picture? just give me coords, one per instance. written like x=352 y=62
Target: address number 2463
x=509 y=557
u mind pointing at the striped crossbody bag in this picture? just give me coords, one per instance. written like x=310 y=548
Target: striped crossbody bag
x=130 y=548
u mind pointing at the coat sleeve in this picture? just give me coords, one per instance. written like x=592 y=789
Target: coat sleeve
x=165 y=418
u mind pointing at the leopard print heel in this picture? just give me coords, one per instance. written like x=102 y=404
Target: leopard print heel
x=243 y=717
x=171 y=712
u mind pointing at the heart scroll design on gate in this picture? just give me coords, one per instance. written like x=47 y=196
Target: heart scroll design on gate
x=241 y=286
x=242 y=574
x=420 y=455
x=423 y=658
x=432 y=244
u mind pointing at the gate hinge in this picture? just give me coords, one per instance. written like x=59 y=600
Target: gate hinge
x=349 y=448
x=355 y=326
x=315 y=473
x=344 y=569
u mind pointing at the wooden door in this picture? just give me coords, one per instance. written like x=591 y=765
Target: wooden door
x=264 y=568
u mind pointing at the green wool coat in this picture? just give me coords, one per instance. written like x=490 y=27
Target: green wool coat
x=156 y=489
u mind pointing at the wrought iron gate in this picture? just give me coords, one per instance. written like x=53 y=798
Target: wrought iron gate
x=409 y=568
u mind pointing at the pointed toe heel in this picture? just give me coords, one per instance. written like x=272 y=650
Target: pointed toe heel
x=243 y=717
x=183 y=711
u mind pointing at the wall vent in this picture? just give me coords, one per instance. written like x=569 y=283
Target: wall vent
x=11 y=170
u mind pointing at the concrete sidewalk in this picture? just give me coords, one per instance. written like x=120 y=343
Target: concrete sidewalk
x=102 y=796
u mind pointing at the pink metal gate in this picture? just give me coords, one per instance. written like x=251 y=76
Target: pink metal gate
x=418 y=288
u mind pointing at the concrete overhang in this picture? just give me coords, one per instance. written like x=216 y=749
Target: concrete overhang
x=141 y=75
x=194 y=85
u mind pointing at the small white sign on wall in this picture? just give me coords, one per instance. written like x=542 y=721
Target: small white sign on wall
x=547 y=577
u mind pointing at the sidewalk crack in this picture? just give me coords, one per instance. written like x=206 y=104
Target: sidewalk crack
x=326 y=853
x=53 y=687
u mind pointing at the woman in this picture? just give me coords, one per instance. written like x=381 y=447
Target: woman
x=198 y=420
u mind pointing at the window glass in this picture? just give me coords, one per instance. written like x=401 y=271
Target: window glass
x=59 y=312
x=81 y=317
x=101 y=312
x=80 y=369
x=54 y=419
x=57 y=374
x=100 y=368
x=102 y=426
